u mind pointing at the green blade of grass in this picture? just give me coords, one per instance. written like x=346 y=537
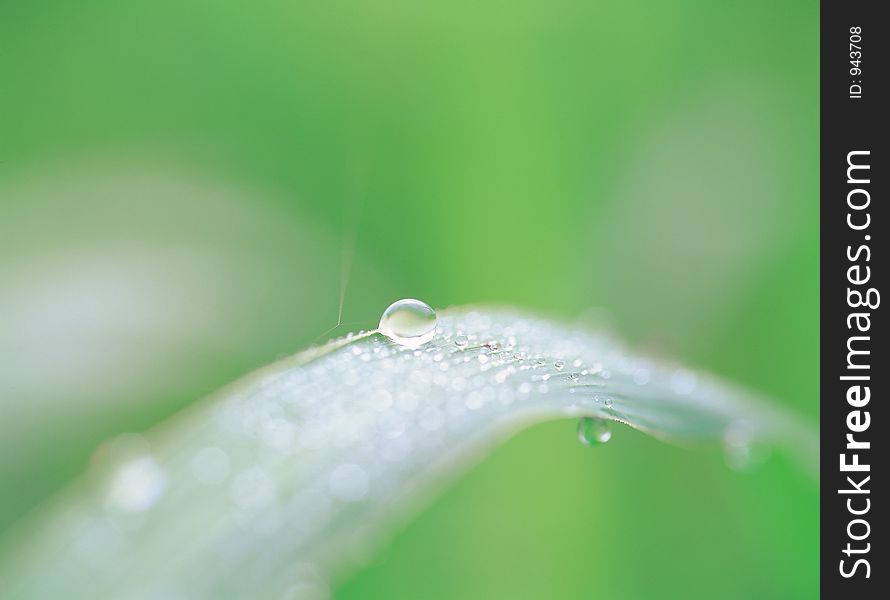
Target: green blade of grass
x=286 y=479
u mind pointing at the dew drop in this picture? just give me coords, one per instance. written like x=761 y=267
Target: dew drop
x=741 y=449
x=608 y=402
x=461 y=341
x=137 y=484
x=408 y=322
x=593 y=431
x=559 y=365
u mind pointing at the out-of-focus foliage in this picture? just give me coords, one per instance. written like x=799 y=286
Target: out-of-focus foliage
x=174 y=182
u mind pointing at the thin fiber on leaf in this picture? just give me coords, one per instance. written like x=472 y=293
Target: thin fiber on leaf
x=285 y=480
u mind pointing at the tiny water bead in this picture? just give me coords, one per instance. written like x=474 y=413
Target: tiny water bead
x=593 y=431
x=408 y=322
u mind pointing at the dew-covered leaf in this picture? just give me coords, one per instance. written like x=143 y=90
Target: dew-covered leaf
x=286 y=480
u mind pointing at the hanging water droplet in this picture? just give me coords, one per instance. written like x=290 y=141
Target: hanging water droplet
x=593 y=431
x=741 y=448
x=559 y=365
x=461 y=341
x=408 y=322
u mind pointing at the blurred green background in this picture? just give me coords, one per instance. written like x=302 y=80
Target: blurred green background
x=177 y=184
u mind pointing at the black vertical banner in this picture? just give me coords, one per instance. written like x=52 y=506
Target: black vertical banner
x=854 y=367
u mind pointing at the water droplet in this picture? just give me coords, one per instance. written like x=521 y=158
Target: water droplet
x=137 y=484
x=559 y=365
x=408 y=322
x=492 y=345
x=608 y=402
x=593 y=432
x=572 y=377
x=741 y=448
x=461 y=341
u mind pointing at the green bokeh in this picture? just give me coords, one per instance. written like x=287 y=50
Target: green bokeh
x=657 y=160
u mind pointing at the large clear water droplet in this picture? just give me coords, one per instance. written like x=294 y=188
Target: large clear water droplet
x=593 y=431
x=408 y=322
